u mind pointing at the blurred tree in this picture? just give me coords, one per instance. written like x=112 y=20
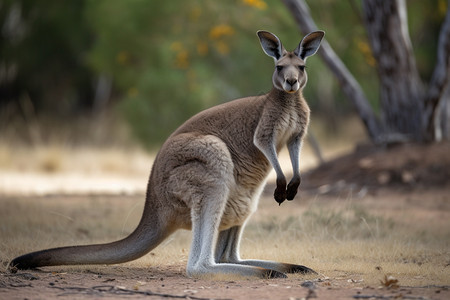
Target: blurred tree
x=42 y=48
x=408 y=112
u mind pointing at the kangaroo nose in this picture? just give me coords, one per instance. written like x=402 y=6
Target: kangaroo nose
x=291 y=81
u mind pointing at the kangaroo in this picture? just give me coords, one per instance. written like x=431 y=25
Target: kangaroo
x=209 y=174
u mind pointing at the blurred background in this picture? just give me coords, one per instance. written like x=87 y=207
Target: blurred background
x=98 y=85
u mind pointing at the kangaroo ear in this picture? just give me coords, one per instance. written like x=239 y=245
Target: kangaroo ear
x=271 y=44
x=309 y=44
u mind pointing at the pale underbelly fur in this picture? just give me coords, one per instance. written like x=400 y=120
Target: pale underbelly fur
x=241 y=204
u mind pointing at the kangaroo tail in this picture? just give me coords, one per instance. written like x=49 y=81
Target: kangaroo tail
x=150 y=232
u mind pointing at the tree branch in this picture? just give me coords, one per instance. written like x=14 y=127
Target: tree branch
x=348 y=83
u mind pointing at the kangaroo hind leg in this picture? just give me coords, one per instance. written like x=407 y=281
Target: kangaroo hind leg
x=202 y=180
x=227 y=251
x=205 y=231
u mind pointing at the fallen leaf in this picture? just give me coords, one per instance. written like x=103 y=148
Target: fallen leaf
x=390 y=282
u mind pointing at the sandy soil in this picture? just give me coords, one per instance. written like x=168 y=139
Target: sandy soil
x=170 y=282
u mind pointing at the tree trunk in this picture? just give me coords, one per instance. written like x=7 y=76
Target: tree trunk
x=401 y=94
x=444 y=112
x=350 y=86
x=436 y=112
x=407 y=112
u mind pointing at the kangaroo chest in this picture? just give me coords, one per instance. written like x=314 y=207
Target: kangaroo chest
x=290 y=124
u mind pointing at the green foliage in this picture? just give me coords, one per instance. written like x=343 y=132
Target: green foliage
x=424 y=20
x=169 y=60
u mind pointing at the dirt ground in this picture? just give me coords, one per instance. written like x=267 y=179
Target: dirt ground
x=171 y=282
x=404 y=190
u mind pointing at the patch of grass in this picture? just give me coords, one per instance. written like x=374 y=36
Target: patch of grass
x=349 y=240
x=348 y=222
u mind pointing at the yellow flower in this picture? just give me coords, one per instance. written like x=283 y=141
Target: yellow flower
x=220 y=31
x=181 y=56
x=367 y=52
x=182 y=60
x=259 y=4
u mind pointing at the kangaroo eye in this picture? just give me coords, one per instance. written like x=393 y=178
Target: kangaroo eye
x=302 y=68
x=279 y=68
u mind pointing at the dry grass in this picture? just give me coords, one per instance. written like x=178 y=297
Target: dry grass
x=63 y=169
x=338 y=238
x=62 y=158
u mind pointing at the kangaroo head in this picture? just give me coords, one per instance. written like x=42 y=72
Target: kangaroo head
x=290 y=75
